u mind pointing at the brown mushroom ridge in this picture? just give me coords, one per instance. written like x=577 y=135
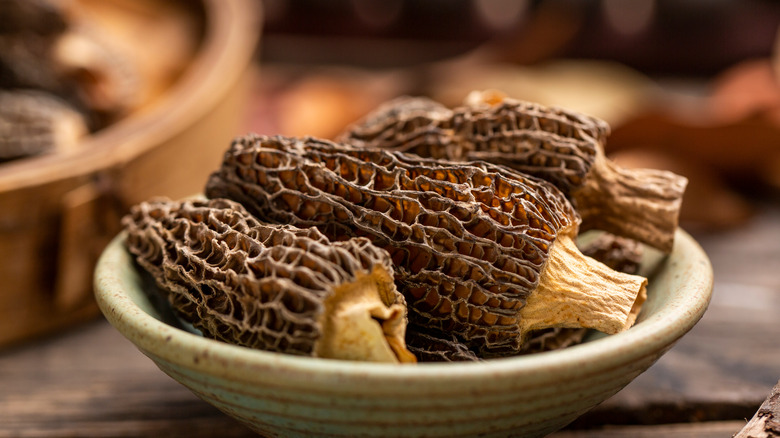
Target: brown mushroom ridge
x=270 y=287
x=469 y=241
x=560 y=146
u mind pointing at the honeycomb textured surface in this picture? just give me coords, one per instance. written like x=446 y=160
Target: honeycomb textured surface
x=242 y=281
x=552 y=143
x=557 y=145
x=468 y=241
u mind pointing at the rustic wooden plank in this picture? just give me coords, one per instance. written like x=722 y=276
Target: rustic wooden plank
x=91 y=382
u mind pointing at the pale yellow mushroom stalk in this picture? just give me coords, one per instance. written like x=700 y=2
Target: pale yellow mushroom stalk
x=577 y=291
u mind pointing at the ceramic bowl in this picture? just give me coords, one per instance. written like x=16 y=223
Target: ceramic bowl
x=533 y=395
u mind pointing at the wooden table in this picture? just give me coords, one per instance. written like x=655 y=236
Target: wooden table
x=91 y=382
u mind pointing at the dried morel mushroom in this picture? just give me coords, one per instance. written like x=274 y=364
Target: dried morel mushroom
x=270 y=287
x=479 y=250
x=33 y=122
x=563 y=147
x=619 y=253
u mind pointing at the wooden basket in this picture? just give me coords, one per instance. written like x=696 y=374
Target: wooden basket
x=58 y=211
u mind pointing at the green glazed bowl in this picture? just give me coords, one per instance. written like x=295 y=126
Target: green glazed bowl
x=282 y=395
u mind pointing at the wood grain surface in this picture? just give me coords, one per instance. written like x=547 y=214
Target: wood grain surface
x=91 y=382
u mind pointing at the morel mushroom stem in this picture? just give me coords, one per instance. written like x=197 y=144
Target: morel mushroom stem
x=361 y=321
x=578 y=291
x=641 y=204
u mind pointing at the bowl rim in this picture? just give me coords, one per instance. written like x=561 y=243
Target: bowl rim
x=231 y=32
x=653 y=336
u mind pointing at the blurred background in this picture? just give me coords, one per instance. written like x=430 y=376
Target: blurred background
x=106 y=103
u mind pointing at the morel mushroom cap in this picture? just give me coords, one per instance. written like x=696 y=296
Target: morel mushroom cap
x=271 y=287
x=33 y=122
x=479 y=250
x=560 y=146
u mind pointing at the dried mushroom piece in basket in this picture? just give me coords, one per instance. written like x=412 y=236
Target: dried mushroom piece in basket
x=34 y=122
x=270 y=287
x=479 y=250
x=52 y=47
x=560 y=146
